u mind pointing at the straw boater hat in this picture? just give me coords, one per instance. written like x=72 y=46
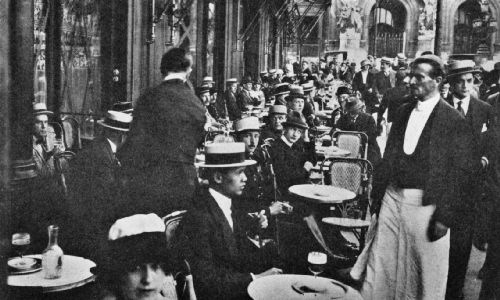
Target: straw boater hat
x=278 y=110
x=41 y=109
x=281 y=89
x=263 y=73
x=207 y=79
x=231 y=80
x=225 y=155
x=272 y=71
x=308 y=86
x=116 y=120
x=125 y=107
x=295 y=119
x=205 y=88
x=247 y=124
x=459 y=67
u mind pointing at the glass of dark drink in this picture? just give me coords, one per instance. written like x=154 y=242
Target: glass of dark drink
x=317 y=262
x=21 y=242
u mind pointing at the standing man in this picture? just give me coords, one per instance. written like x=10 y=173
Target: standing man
x=393 y=99
x=384 y=80
x=478 y=115
x=227 y=105
x=158 y=156
x=426 y=161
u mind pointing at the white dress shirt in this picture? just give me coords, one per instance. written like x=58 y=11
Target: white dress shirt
x=465 y=103
x=181 y=76
x=418 y=118
x=224 y=204
x=364 y=75
x=112 y=145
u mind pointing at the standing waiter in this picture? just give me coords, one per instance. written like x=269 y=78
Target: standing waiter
x=158 y=157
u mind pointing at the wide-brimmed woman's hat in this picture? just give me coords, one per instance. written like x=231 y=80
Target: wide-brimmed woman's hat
x=225 y=155
x=365 y=62
x=40 y=108
x=296 y=91
x=247 y=124
x=459 y=67
x=125 y=107
x=116 y=120
x=295 y=119
x=281 y=89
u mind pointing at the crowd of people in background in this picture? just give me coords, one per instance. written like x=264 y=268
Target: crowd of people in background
x=435 y=187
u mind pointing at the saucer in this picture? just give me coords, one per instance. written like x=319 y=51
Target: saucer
x=21 y=263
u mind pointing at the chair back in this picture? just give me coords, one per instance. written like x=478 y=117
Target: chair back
x=72 y=138
x=171 y=223
x=346 y=174
x=355 y=142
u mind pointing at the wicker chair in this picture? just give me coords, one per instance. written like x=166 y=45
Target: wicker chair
x=353 y=174
x=355 y=142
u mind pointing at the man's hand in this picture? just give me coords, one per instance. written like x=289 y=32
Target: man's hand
x=261 y=216
x=308 y=166
x=272 y=271
x=436 y=230
x=276 y=208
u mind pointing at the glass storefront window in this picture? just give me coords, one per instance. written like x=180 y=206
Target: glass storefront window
x=40 y=79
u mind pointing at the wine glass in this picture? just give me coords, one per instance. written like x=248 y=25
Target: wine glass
x=317 y=262
x=21 y=242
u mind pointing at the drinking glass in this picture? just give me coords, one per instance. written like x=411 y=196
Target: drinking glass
x=317 y=262
x=21 y=242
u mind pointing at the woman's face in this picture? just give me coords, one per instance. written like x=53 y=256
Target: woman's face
x=298 y=104
x=146 y=282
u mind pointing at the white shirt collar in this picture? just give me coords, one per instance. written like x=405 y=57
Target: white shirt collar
x=170 y=76
x=113 y=145
x=283 y=138
x=428 y=105
x=224 y=204
x=464 y=105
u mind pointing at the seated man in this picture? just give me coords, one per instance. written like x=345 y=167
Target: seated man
x=213 y=239
x=211 y=123
x=293 y=154
x=94 y=186
x=357 y=120
x=146 y=269
x=273 y=130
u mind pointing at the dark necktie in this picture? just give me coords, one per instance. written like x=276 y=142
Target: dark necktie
x=460 y=109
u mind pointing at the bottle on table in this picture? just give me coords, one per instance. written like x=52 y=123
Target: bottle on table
x=52 y=256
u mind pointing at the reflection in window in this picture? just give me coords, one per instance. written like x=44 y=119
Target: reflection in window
x=40 y=21
x=80 y=63
x=210 y=39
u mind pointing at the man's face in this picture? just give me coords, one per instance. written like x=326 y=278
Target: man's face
x=251 y=140
x=205 y=97
x=40 y=126
x=233 y=87
x=298 y=104
x=233 y=181
x=213 y=98
x=444 y=90
x=257 y=86
x=422 y=86
x=463 y=85
x=292 y=134
x=277 y=121
x=248 y=86
x=365 y=67
x=145 y=282
x=385 y=66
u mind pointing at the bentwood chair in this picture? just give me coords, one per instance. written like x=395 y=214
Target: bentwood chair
x=353 y=174
x=355 y=142
x=71 y=130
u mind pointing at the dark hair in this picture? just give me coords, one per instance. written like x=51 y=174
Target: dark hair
x=437 y=67
x=175 y=60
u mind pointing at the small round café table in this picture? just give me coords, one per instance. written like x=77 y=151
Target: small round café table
x=321 y=194
x=331 y=151
x=300 y=287
x=75 y=273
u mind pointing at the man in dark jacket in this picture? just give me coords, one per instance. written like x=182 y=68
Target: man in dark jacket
x=273 y=130
x=426 y=161
x=158 y=156
x=214 y=240
x=478 y=115
x=226 y=103
x=94 y=186
x=385 y=79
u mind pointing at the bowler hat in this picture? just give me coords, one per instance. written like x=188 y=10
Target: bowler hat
x=281 y=88
x=247 y=124
x=116 y=120
x=295 y=119
x=225 y=155
x=343 y=90
x=278 y=110
x=459 y=67
x=246 y=79
x=40 y=108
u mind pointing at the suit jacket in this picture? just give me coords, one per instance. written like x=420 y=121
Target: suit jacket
x=93 y=186
x=450 y=157
x=228 y=107
x=220 y=267
x=158 y=156
x=364 y=123
x=392 y=101
x=358 y=85
x=382 y=83
x=244 y=99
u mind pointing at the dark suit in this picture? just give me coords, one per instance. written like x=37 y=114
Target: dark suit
x=220 y=261
x=450 y=160
x=93 y=186
x=228 y=107
x=244 y=99
x=479 y=114
x=364 y=123
x=158 y=156
x=381 y=82
x=358 y=85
